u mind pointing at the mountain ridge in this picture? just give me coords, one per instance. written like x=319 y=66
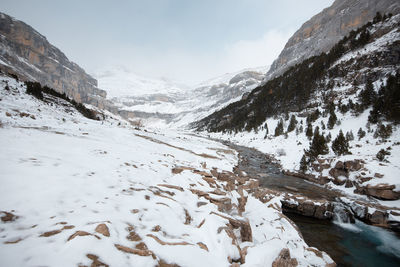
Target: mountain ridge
x=320 y=33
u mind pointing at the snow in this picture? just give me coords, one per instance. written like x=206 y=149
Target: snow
x=61 y=171
x=3 y=63
x=170 y=104
x=120 y=81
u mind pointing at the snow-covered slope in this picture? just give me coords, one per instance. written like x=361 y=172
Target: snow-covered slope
x=81 y=192
x=347 y=79
x=162 y=103
x=120 y=81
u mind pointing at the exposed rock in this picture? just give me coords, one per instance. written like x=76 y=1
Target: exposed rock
x=320 y=209
x=51 y=233
x=102 y=229
x=349 y=183
x=29 y=55
x=133 y=236
x=324 y=30
x=158 y=240
x=377 y=218
x=8 y=216
x=382 y=191
x=162 y=263
x=242 y=204
x=176 y=170
x=353 y=165
x=78 y=233
x=141 y=246
x=171 y=186
x=134 y=251
x=156 y=228
x=284 y=259
x=95 y=261
x=245 y=228
x=188 y=218
x=202 y=245
x=251 y=184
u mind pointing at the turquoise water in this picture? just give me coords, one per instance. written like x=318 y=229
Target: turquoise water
x=351 y=245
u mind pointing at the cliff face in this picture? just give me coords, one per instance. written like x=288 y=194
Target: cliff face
x=325 y=29
x=25 y=52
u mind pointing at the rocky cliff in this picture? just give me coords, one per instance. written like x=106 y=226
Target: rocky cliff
x=28 y=54
x=325 y=29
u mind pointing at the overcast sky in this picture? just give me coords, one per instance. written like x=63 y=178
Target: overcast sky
x=184 y=40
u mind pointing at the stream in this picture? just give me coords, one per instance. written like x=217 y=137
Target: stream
x=348 y=244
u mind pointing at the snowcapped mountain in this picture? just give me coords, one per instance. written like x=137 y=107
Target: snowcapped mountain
x=161 y=103
x=120 y=81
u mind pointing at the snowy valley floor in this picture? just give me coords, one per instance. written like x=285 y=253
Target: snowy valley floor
x=78 y=192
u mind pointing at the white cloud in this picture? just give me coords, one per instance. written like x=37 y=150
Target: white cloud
x=259 y=52
x=182 y=64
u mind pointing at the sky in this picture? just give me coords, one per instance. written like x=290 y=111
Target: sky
x=183 y=40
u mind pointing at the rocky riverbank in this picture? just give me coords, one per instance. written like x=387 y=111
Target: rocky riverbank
x=310 y=196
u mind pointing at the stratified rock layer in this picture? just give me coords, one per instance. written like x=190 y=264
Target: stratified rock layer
x=28 y=54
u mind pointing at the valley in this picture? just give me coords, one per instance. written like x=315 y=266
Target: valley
x=291 y=164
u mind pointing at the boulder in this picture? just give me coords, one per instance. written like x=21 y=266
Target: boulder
x=284 y=259
x=353 y=165
x=102 y=229
x=382 y=191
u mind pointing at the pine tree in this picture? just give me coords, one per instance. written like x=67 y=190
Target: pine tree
x=361 y=133
x=332 y=119
x=266 y=130
x=318 y=145
x=309 y=131
x=367 y=95
x=382 y=154
x=292 y=124
x=303 y=164
x=340 y=145
x=323 y=125
x=279 y=128
x=383 y=131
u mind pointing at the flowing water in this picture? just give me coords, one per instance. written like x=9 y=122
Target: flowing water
x=348 y=244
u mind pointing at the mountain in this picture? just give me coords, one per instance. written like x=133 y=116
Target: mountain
x=298 y=117
x=28 y=54
x=161 y=103
x=324 y=30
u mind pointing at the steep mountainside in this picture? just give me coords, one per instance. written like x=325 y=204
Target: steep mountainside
x=161 y=103
x=325 y=29
x=333 y=119
x=28 y=54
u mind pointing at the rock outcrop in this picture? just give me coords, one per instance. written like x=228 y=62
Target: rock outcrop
x=28 y=54
x=324 y=30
